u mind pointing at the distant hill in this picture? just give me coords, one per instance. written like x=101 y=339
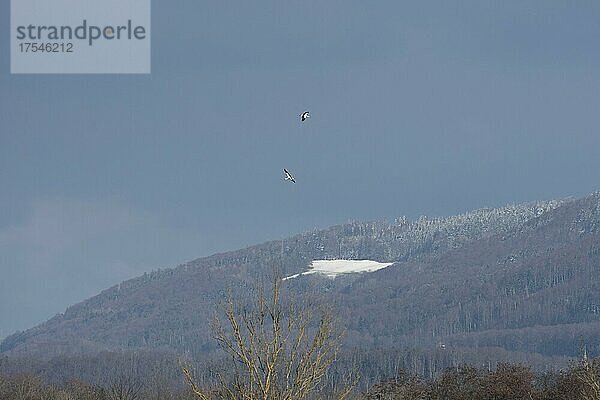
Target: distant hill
x=523 y=279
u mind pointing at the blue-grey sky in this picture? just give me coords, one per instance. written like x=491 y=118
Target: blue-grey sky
x=423 y=107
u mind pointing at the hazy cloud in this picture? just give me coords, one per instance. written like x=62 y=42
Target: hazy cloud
x=68 y=249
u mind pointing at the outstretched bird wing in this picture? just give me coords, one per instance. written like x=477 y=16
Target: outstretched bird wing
x=288 y=176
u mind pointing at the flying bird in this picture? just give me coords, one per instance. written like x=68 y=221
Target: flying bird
x=304 y=116
x=288 y=176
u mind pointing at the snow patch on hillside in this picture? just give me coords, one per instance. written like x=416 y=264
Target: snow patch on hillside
x=333 y=268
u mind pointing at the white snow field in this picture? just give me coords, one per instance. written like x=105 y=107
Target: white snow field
x=333 y=268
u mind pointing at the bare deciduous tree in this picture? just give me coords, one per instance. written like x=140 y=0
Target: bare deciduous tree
x=279 y=350
x=588 y=374
x=124 y=387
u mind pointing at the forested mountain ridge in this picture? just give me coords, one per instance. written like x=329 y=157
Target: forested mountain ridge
x=523 y=278
x=536 y=289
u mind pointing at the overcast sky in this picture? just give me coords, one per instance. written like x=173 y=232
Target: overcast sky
x=417 y=108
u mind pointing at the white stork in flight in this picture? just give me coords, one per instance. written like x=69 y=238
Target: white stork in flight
x=288 y=176
x=304 y=116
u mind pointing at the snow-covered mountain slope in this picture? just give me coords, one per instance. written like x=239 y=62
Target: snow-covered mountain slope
x=333 y=268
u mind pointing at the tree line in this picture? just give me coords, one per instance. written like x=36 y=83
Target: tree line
x=506 y=382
